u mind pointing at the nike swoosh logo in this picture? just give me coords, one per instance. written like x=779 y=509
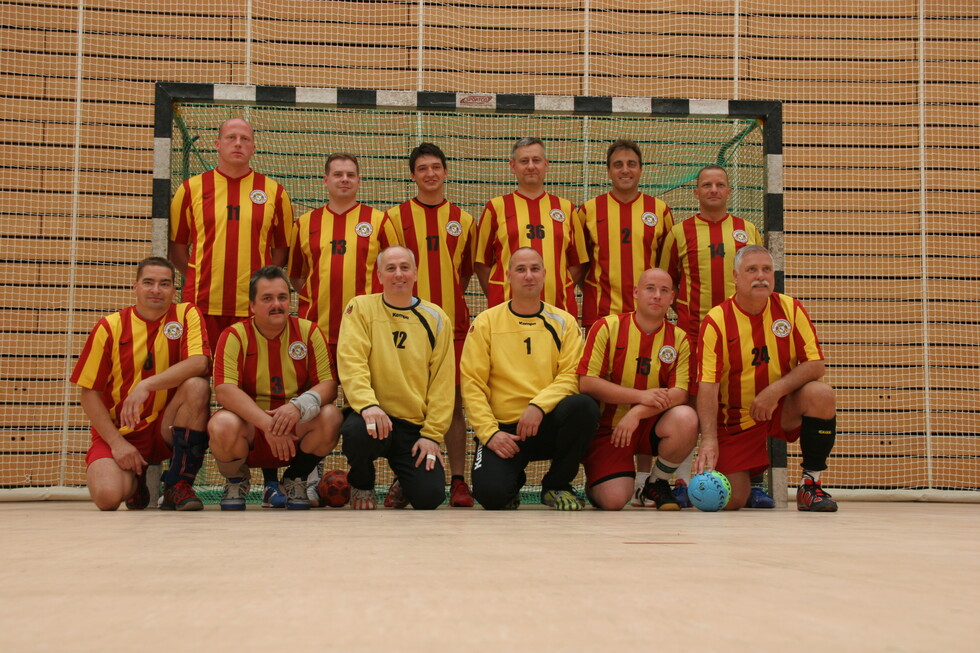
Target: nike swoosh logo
x=123 y=343
x=731 y=340
x=600 y=221
x=251 y=353
x=620 y=348
x=313 y=233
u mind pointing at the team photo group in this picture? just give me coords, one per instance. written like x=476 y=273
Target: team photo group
x=641 y=403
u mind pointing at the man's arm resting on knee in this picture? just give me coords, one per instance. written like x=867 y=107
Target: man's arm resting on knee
x=766 y=401
x=173 y=376
x=124 y=453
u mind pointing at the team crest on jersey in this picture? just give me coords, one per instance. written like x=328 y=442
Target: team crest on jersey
x=258 y=196
x=781 y=328
x=297 y=350
x=364 y=229
x=173 y=330
x=740 y=236
x=557 y=215
x=454 y=228
x=667 y=354
x=649 y=219
x=350 y=309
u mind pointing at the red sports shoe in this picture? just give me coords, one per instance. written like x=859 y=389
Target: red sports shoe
x=810 y=497
x=180 y=496
x=396 y=496
x=459 y=494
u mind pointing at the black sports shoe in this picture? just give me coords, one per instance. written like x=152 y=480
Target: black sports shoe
x=659 y=492
x=810 y=497
x=140 y=498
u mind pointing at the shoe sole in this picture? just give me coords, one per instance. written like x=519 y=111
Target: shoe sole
x=669 y=507
x=233 y=507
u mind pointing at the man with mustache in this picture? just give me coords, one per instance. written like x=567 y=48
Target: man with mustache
x=760 y=373
x=272 y=378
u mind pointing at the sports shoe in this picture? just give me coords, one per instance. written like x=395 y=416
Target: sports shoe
x=140 y=498
x=311 y=482
x=810 y=497
x=640 y=500
x=180 y=496
x=295 y=489
x=659 y=493
x=395 y=497
x=759 y=499
x=236 y=494
x=272 y=496
x=561 y=500
x=363 y=499
x=459 y=494
x=680 y=493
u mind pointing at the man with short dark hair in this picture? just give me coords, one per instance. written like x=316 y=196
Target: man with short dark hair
x=441 y=235
x=272 y=379
x=142 y=375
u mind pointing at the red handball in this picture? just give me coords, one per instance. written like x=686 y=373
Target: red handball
x=333 y=489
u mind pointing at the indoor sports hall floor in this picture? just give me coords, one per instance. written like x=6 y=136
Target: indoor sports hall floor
x=873 y=577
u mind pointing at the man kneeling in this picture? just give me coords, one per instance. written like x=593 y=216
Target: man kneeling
x=638 y=366
x=272 y=378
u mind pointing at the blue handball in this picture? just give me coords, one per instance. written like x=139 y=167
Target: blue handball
x=709 y=491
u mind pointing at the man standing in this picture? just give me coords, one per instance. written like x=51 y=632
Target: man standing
x=225 y=224
x=272 y=379
x=760 y=370
x=396 y=364
x=142 y=375
x=520 y=392
x=531 y=217
x=624 y=231
x=441 y=236
x=638 y=366
x=334 y=248
x=698 y=254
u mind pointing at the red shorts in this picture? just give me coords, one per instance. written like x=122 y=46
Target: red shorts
x=261 y=454
x=458 y=346
x=603 y=461
x=148 y=441
x=215 y=324
x=746 y=451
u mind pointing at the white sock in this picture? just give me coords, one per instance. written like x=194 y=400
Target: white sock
x=641 y=479
x=814 y=475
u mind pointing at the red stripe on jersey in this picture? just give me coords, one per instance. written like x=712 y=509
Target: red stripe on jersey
x=127 y=358
x=625 y=214
x=605 y=247
x=734 y=354
x=433 y=256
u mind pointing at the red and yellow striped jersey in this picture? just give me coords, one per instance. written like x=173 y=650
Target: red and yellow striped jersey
x=744 y=353
x=272 y=371
x=618 y=351
x=623 y=240
x=549 y=225
x=337 y=255
x=233 y=226
x=442 y=238
x=123 y=349
x=699 y=256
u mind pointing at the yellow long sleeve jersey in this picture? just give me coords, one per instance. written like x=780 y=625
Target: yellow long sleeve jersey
x=400 y=359
x=511 y=360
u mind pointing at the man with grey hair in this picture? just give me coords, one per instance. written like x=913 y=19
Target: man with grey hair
x=760 y=371
x=396 y=364
x=531 y=217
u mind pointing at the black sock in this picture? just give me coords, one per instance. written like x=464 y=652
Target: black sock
x=270 y=474
x=759 y=481
x=455 y=476
x=817 y=438
x=301 y=465
x=188 y=456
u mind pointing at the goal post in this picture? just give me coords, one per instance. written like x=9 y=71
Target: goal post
x=297 y=127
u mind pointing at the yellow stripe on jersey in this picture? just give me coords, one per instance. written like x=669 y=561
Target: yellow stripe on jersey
x=745 y=353
x=232 y=225
x=618 y=351
x=623 y=240
x=400 y=359
x=337 y=255
x=123 y=349
x=511 y=360
x=549 y=225
x=443 y=239
x=699 y=256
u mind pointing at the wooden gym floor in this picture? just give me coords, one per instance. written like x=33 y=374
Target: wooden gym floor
x=873 y=577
